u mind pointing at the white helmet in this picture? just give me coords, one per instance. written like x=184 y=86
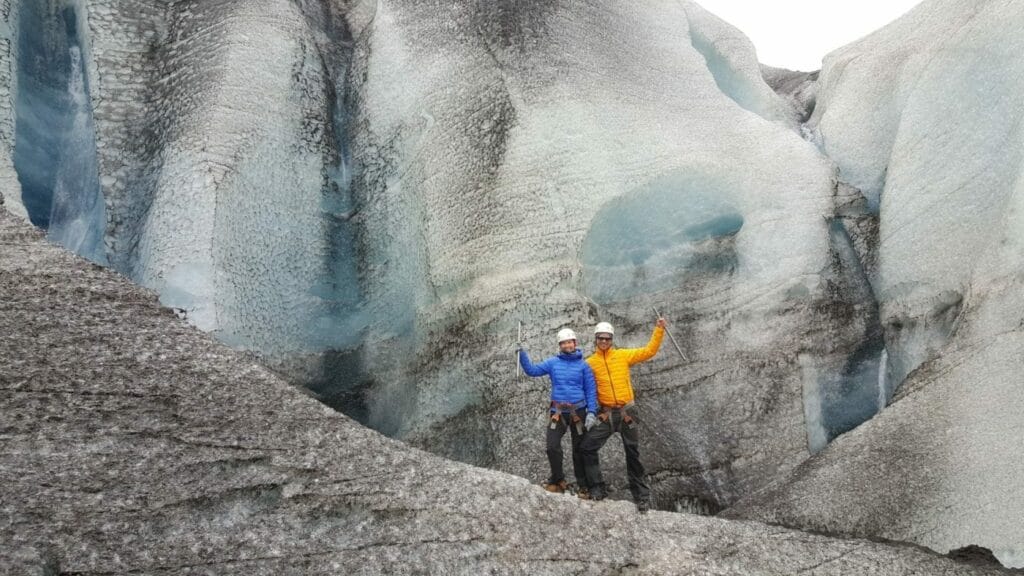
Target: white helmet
x=566 y=334
x=604 y=328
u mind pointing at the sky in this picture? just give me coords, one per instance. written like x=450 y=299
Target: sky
x=796 y=34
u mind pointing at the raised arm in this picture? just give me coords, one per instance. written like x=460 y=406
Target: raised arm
x=636 y=355
x=529 y=367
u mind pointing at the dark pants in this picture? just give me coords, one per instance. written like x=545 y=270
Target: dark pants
x=596 y=438
x=555 y=432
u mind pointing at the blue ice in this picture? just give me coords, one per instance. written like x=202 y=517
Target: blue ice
x=652 y=238
x=55 y=144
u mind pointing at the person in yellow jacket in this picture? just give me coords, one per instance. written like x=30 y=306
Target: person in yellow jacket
x=615 y=397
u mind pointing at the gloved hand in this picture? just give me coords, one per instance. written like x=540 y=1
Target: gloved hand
x=591 y=421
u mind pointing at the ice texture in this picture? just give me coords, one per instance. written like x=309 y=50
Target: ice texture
x=648 y=240
x=926 y=115
x=10 y=188
x=913 y=120
x=184 y=456
x=55 y=148
x=371 y=195
x=223 y=183
x=732 y=61
x=540 y=171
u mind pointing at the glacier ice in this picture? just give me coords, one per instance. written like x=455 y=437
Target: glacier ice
x=732 y=62
x=370 y=196
x=925 y=116
x=509 y=169
x=932 y=180
x=646 y=241
x=54 y=149
x=233 y=211
x=851 y=394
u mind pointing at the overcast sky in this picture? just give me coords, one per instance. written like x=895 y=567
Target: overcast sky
x=796 y=34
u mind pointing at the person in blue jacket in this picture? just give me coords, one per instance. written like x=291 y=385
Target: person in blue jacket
x=573 y=406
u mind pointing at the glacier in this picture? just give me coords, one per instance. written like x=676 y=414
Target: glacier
x=54 y=150
x=369 y=196
x=409 y=182
x=924 y=117
x=550 y=174
x=173 y=454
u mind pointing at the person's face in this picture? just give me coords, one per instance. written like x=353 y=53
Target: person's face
x=604 y=341
x=567 y=346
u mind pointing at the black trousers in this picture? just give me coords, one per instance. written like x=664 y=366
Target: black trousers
x=554 y=440
x=596 y=438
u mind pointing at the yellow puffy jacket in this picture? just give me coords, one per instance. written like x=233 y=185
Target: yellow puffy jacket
x=611 y=370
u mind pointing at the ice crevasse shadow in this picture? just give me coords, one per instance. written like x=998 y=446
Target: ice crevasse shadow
x=55 y=143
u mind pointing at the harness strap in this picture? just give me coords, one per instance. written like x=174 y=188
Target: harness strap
x=605 y=412
x=571 y=409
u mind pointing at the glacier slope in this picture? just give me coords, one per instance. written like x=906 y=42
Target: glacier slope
x=133 y=443
x=941 y=467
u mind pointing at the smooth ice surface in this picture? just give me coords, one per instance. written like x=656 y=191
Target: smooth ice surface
x=732 y=61
x=647 y=240
x=55 y=147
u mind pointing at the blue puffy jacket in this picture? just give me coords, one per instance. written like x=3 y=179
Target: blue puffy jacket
x=572 y=380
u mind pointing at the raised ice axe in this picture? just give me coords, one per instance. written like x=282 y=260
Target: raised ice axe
x=673 y=338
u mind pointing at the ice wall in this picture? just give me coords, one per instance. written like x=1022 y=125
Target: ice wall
x=732 y=61
x=54 y=147
x=934 y=180
x=223 y=178
x=927 y=114
x=534 y=170
x=372 y=195
x=10 y=188
x=650 y=240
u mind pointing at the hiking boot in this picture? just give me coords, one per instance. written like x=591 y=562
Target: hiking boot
x=583 y=494
x=556 y=487
x=597 y=494
x=642 y=506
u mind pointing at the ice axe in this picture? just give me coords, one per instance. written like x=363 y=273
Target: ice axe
x=673 y=338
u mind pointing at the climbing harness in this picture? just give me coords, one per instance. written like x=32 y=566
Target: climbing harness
x=558 y=408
